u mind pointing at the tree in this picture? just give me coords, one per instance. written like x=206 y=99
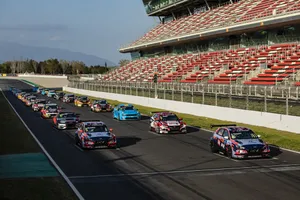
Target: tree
x=123 y=62
x=64 y=66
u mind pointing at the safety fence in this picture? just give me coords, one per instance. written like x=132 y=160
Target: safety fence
x=273 y=99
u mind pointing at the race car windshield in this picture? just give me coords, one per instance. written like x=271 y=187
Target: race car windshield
x=97 y=129
x=243 y=135
x=170 y=118
x=83 y=98
x=52 y=107
x=71 y=95
x=67 y=115
x=41 y=102
x=102 y=102
x=52 y=91
x=128 y=108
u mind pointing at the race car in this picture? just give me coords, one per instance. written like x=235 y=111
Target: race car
x=23 y=98
x=38 y=104
x=20 y=95
x=82 y=101
x=64 y=120
x=29 y=100
x=49 y=110
x=51 y=93
x=58 y=95
x=12 y=88
x=35 y=89
x=94 y=134
x=101 y=105
x=238 y=142
x=68 y=98
x=44 y=91
x=39 y=90
x=164 y=122
x=126 y=112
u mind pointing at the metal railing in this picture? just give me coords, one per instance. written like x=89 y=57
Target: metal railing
x=274 y=99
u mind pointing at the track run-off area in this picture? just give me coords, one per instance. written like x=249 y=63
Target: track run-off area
x=150 y=166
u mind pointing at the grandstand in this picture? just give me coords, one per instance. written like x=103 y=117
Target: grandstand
x=250 y=42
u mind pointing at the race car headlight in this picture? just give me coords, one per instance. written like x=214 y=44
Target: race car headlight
x=163 y=127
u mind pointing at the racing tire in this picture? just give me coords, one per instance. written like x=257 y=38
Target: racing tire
x=150 y=128
x=213 y=147
x=229 y=152
x=157 y=130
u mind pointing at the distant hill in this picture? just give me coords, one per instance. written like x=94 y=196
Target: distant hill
x=13 y=51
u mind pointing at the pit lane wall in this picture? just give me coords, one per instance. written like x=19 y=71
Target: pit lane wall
x=270 y=120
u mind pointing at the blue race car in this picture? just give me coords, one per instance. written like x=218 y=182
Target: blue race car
x=238 y=142
x=35 y=89
x=126 y=112
x=44 y=91
x=51 y=93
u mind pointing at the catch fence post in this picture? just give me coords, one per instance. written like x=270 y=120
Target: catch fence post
x=181 y=92
x=287 y=102
x=247 y=98
x=230 y=96
x=265 y=100
x=203 y=94
x=216 y=98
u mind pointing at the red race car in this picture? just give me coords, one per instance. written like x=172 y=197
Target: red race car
x=164 y=122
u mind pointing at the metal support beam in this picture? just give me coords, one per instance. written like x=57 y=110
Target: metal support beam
x=189 y=11
x=174 y=17
x=207 y=5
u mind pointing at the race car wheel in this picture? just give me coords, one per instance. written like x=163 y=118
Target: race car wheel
x=157 y=130
x=229 y=151
x=213 y=147
x=77 y=141
x=150 y=128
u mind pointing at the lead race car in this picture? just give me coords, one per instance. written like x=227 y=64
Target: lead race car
x=238 y=142
x=93 y=134
x=164 y=122
x=101 y=105
x=65 y=120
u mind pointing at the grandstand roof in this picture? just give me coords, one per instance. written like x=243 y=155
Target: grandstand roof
x=219 y=31
x=178 y=5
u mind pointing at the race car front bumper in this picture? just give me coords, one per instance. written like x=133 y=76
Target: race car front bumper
x=49 y=115
x=166 y=130
x=100 y=145
x=259 y=153
x=130 y=117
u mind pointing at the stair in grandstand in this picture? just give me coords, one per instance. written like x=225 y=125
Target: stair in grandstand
x=264 y=65
x=286 y=70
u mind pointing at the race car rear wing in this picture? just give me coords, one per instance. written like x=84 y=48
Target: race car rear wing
x=221 y=125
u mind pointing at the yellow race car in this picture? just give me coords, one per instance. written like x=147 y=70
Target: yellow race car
x=82 y=101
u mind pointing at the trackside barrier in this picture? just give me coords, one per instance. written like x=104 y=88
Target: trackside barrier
x=40 y=76
x=270 y=120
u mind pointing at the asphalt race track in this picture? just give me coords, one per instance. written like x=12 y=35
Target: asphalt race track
x=149 y=166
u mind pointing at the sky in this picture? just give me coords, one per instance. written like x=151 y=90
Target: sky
x=96 y=27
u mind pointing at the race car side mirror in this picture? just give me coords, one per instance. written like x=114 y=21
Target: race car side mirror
x=259 y=136
x=226 y=137
x=180 y=119
x=110 y=130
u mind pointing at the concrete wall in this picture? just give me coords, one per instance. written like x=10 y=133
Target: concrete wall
x=270 y=120
x=40 y=76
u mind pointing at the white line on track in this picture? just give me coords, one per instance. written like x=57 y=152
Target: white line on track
x=212 y=171
x=45 y=151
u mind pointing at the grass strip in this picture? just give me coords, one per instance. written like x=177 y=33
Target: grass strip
x=279 y=138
